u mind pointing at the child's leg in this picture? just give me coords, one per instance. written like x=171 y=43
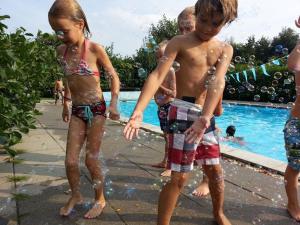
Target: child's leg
x=202 y=189
x=216 y=187
x=76 y=137
x=163 y=163
x=168 y=197
x=94 y=138
x=291 y=187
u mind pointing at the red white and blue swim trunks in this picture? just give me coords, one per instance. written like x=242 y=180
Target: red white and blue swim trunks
x=181 y=155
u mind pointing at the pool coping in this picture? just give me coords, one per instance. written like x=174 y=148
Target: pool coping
x=250 y=158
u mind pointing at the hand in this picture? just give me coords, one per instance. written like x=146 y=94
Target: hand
x=133 y=125
x=171 y=94
x=113 y=113
x=196 y=131
x=297 y=22
x=66 y=113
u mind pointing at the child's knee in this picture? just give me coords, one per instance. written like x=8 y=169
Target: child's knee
x=71 y=164
x=214 y=173
x=91 y=160
x=179 y=180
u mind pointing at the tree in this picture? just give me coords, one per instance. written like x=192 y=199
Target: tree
x=164 y=29
x=287 y=38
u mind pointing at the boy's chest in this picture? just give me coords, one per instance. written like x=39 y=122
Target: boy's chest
x=200 y=56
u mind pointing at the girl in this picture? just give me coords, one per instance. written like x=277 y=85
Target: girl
x=81 y=59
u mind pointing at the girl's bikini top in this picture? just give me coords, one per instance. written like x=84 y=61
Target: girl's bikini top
x=82 y=68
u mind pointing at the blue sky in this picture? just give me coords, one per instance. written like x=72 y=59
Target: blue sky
x=126 y=22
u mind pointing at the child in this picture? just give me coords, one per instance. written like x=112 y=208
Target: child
x=292 y=139
x=164 y=95
x=81 y=59
x=191 y=113
x=186 y=23
x=59 y=91
x=230 y=132
x=186 y=20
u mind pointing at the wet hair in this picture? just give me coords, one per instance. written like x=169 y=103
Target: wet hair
x=185 y=13
x=230 y=130
x=227 y=8
x=69 y=9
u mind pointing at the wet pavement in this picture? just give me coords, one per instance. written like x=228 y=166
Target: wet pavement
x=252 y=195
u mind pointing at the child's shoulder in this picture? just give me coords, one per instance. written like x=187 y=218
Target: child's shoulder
x=61 y=49
x=96 y=48
x=224 y=46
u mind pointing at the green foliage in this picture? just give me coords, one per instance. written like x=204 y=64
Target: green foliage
x=145 y=58
x=27 y=68
x=124 y=66
x=165 y=29
x=17 y=178
x=20 y=196
x=283 y=88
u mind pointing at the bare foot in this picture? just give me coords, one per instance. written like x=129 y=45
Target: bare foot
x=166 y=173
x=95 y=211
x=66 y=210
x=294 y=212
x=160 y=165
x=201 y=190
x=222 y=220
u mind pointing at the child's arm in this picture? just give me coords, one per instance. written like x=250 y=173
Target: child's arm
x=294 y=57
x=67 y=101
x=296 y=108
x=103 y=60
x=151 y=85
x=214 y=94
x=219 y=109
x=173 y=83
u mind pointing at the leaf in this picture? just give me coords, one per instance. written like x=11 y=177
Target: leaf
x=29 y=34
x=20 y=196
x=31 y=126
x=24 y=130
x=17 y=178
x=15 y=137
x=12 y=153
x=4 y=17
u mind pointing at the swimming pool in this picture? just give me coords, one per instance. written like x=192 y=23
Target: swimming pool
x=261 y=127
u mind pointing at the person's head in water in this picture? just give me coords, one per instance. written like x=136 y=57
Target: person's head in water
x=230 y=131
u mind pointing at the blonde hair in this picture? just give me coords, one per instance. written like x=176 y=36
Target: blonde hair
x=69 y=9
x=227 y=8
x=188 y=11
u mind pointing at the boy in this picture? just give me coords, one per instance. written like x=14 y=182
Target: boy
x=186 y=23
x=191 y=113
x=59 y=91
x=164 y=95
x=292 y=139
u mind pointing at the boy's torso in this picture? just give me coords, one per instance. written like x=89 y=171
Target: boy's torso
x=195 y=58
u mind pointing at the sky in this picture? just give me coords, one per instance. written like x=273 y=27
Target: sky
x=126 y=22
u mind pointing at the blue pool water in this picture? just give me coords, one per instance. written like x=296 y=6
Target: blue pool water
x=261 y=127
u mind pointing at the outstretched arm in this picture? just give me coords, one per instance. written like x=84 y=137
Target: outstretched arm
x=104 y=61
